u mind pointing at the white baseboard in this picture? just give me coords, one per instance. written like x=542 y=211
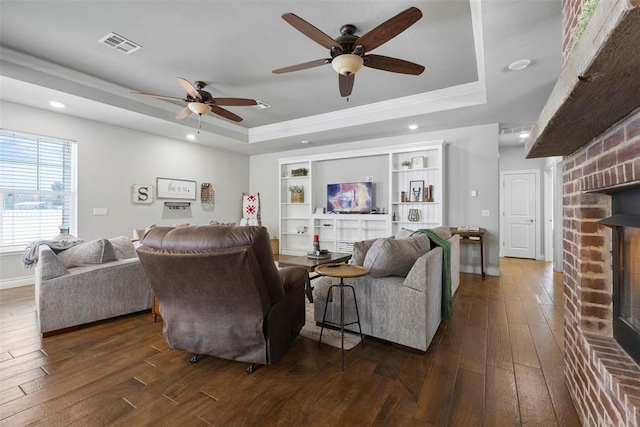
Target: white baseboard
x=475 y=269
x=17 y=282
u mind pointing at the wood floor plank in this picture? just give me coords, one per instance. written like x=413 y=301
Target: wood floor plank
x=501 y=398
x=515 y=313
x=467 y=406
x=497 y=312
x=479 y=315
x=560 y=397
x=453 y=337
x=434 y=403
x=499 y=347
x=545 y=343
x=533 y=313
x=474 y=351
x=535 y=404
x=523 y=349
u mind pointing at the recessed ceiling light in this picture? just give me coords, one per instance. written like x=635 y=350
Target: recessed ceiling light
x=305 y=142
x=191 y=137
x=519 y=65
x=413 y=127
x=56 y=104
x=524 y=135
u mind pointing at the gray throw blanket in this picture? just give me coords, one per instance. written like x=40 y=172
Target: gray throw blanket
x=30 y=256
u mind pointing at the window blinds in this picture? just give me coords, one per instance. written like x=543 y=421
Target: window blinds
x=38 y=189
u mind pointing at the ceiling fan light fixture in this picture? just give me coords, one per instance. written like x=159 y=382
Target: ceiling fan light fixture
x=199 y=107
x=347 y=63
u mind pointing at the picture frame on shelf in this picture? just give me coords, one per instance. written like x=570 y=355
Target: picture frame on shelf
x=417 y=162
x=416 y=191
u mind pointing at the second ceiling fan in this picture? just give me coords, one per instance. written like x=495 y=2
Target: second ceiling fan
x=349 y=52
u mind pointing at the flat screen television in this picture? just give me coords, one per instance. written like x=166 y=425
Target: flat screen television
x=353 y=197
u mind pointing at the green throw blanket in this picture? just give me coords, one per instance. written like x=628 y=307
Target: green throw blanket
x=446 y=268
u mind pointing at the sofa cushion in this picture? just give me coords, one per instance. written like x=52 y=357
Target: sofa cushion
x=395 y=257
x=123 y=247
x=96 y=251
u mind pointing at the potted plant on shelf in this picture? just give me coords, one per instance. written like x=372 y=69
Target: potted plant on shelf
x=406 y=164
x=297 y=193
x=299 y=172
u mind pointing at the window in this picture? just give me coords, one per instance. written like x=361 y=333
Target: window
x=37 y=189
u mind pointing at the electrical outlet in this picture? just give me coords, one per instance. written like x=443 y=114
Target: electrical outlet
x=101 y=211
x=485 y=212
x=474 y=254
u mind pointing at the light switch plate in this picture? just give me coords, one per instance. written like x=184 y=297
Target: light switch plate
x=485 y=212
x=474 y=193
x=101 y=211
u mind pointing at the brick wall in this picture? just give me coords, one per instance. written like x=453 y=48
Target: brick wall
x=602 y=379
x=570 y=11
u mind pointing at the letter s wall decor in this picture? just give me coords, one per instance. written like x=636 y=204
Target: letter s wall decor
x=142 y=194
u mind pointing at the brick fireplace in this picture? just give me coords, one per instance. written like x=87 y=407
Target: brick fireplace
x=604 y=381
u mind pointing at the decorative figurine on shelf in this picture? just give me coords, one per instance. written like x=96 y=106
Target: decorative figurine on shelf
x=416 y=193
x=403 y=196
x=394 y=218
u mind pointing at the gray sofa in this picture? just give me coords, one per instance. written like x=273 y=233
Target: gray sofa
x=405 y=309
x=109 y=284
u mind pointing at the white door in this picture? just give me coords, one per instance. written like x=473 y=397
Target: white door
x=519 y=215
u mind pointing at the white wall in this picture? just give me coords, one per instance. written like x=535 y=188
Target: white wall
x=513 y=159
x=471 y=164
x=111 y=159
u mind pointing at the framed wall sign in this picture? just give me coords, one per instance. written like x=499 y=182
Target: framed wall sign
x=142 y=194
x=177 y=189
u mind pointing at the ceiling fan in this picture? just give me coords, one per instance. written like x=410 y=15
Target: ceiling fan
x=350 y=52
x=201 y=102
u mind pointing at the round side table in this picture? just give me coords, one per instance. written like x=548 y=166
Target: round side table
x=343 y=271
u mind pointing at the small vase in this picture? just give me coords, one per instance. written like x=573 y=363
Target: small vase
x=414 y=215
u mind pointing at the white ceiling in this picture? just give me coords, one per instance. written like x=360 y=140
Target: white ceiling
x=50 y=50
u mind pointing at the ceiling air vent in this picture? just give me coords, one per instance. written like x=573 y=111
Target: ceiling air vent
x=261 y=105
x=119 y=43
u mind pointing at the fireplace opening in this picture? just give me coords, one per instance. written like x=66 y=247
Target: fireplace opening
x=625 y=222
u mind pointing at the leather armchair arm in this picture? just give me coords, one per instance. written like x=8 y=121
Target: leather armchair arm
x=293 y=278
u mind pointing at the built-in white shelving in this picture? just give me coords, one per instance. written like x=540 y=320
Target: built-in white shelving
x=337 y=232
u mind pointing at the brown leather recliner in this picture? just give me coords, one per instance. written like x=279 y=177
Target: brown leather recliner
x=221 y=294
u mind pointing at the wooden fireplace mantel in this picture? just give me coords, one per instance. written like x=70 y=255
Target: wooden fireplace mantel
x=599 y=84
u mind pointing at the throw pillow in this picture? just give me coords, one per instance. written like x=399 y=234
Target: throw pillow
x=360 y=250
x=404 y=233
x=94 y=252
x=443 y=231
x=393 y=257
x=123 y=247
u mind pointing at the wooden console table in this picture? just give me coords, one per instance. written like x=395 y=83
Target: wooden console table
x=473 y=237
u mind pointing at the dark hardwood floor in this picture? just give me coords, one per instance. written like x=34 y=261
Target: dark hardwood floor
x=497 y=362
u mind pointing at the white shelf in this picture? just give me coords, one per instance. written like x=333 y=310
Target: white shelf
x=297 y=204
x=291 y=233
x=414 y=170
x=295 y=218
x=295 y=177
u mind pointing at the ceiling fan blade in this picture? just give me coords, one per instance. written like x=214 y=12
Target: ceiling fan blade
x=172 y=98
x=236 y=102
x=189 y=88
x=389 y=29
x=225 y=113
x=312 y=32
x=303 y=66
x=183 y=113
x=395 y=65
x=345 y=83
